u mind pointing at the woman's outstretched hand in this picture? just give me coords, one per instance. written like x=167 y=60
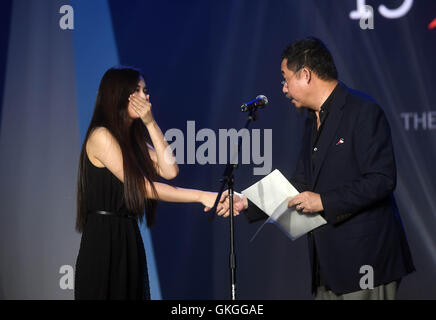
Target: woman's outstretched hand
x=239 y=203
x=208 y=199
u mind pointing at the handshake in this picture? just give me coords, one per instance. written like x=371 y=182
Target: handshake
x=305 y=202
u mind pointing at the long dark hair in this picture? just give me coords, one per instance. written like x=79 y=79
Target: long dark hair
x=111 y=112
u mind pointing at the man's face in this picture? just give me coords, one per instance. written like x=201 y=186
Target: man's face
x=294 y=85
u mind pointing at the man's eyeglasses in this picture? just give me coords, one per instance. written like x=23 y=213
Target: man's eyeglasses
x=285 y=83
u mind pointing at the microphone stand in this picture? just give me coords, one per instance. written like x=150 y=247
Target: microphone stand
x=229 y=181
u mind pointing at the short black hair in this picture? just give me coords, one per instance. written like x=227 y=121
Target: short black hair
x=312 y=53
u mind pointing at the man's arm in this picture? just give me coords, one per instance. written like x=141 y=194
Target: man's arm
x=299 y=178
x=240 y=203
x=375 y=157
x=253 y=213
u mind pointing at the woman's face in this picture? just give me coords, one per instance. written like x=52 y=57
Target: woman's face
x=140 y=91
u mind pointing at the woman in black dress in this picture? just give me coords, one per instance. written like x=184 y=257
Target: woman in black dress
x=123 y=154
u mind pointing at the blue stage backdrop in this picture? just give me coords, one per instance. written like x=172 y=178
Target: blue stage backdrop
x=201 y=60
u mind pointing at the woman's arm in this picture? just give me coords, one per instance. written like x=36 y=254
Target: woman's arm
x=105 y=148
x=161 y=155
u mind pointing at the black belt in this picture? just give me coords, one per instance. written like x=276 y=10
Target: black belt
x=113 y=214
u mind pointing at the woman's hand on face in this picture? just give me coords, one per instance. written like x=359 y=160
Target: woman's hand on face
x=142 y=107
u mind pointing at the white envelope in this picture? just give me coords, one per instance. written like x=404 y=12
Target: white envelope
x=272 y=194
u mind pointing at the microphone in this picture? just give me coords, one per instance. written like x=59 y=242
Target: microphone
x=260 y=101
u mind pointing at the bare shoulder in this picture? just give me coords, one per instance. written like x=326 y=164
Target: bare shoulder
x=99 y=144
x=100 y=134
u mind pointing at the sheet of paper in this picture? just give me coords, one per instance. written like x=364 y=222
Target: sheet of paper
x=271 y=194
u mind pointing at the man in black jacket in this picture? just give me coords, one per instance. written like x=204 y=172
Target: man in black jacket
x=346 y=172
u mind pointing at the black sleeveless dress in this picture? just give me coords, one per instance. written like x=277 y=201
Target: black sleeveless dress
x=111 y=263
